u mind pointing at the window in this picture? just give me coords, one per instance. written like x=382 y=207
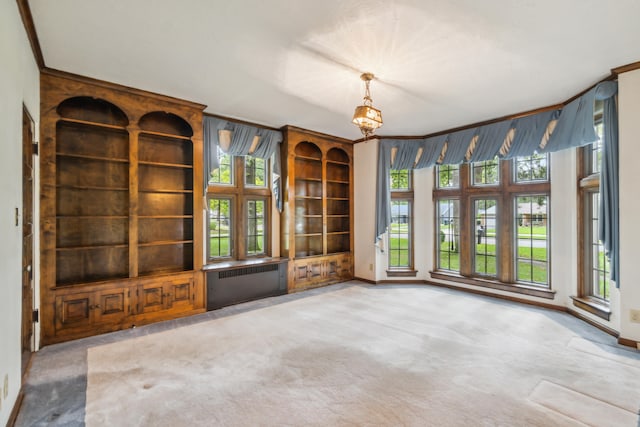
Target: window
x=594 y=269
x=532 y=238
x=532 y=168
x=239 y=200
x=223 y=175
x=256 y=243
x=401 y=228
x=448 y=211
x=448 y=176
x=220 y=226
x=486 y=173
x=485 y=212
x=255 y=172
x=492 y=228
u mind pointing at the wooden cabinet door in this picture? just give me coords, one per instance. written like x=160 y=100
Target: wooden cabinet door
x=181 y=294
x=172 y=294
x=333 y=269
x=74 y=311
x=112 y=305
x=152 y=297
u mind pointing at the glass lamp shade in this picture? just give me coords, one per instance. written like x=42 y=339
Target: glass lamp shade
x=367 y=118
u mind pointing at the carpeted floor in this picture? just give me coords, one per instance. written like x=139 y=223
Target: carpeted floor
x=369 y=355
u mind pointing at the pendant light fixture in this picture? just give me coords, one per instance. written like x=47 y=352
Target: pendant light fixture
x=367 y=117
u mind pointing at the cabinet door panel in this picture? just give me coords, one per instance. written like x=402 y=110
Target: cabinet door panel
x=315 y=270
x=181 y=294
x=300 y=272
x=74 y=311
x=151 y=298
x=113 y=305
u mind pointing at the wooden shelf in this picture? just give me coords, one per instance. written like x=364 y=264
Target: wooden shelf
x=165 y=135
x=94 y=247
x=165 y=191
x=165 y=165
x=335 y=181
x=308 y=234
x=308 y=158
x=337 y=198
x=308 y=198
x=335 y=162
x=338 y=215
x=83 y=156
x=302 y=178
x=311 y=216
x=337 y=232
x=165 y=216
x=92 y=188
x=92 y=216
x=165 y=242
x=88 y=123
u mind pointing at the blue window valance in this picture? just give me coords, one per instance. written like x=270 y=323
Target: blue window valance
x=544 y=132
x=242 y=139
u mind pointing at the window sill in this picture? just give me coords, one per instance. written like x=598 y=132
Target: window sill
x=231 y=264
x=593 y=306
x=493 y=284
x=402 y=273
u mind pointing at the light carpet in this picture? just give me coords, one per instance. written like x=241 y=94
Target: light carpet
x=368 y=355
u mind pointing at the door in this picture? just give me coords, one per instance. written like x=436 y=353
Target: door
x=27 y=238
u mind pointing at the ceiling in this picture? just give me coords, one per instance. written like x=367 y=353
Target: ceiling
x=439 y=64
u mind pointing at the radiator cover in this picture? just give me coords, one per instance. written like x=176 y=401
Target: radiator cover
x=239 y=284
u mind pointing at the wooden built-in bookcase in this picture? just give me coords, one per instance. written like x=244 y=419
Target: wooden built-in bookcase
x=317 y=219
x=121 y=206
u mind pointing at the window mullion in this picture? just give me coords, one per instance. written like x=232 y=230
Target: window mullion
x=467 y=232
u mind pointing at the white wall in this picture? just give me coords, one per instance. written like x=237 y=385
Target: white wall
x=629 y=122
x=365 y=155
x=19 y=83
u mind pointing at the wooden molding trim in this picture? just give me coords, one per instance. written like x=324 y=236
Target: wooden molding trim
x=29 y=26
x=289 y=128
x=16 y=409
x=625 y=68
x=629 y=343
x=592 y=307
x=121 y=88
x=499 y=296
x=371 y=282
x=519 y=289
x=242 y=122
x=593 y=323
x=402 y=273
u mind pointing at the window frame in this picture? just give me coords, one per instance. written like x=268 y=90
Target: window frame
x=588 y=184
x=240 y=193
x=504 y=192
x=403 y=194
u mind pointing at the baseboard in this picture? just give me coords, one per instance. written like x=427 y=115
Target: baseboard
x=499 y=296
x=629 y=343
x=593 y=323
x=371 y=282
x=16 y=409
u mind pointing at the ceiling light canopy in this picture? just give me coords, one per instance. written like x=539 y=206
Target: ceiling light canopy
x=367 y=117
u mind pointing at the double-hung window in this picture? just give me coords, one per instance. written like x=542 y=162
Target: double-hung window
x=239 y=202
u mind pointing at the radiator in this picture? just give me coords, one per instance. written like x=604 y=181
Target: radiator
x=240 y=284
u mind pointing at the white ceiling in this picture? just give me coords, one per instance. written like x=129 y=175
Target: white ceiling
x=438 y=63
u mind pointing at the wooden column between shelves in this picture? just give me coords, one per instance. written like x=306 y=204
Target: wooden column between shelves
x=134 y=132
x=323 y=165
